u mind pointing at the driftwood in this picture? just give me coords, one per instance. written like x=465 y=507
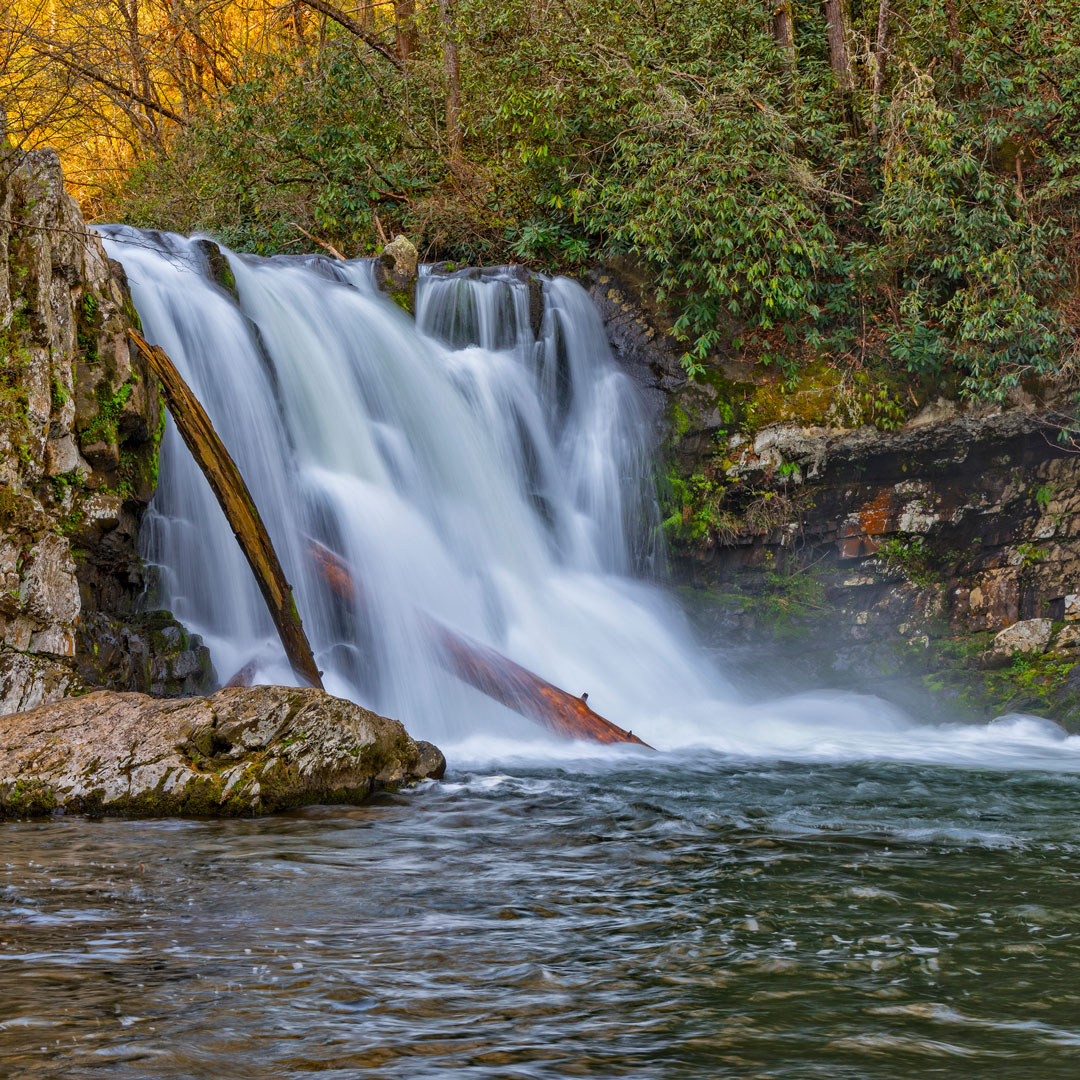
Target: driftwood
x=489 y=671
x=235 y=499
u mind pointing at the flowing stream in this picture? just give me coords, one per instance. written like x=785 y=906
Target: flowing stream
x=813 y=886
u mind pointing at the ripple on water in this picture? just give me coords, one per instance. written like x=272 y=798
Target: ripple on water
x=725 y=919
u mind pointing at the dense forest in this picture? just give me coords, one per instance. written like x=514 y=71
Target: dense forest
x=893 y=185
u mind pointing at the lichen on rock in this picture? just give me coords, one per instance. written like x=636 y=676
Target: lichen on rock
x=242 y=751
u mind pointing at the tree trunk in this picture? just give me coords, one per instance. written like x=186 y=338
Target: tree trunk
x=881 y=54
x=519 y=689
x=838 y=31
x=405 y=27
x=952 y=23
x=235 y=499
x=454 y=135
x=784 y=32
x=838 y=22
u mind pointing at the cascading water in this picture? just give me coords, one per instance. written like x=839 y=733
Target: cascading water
x=467 y=469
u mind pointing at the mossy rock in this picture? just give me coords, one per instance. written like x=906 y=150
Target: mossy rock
x=242 y=751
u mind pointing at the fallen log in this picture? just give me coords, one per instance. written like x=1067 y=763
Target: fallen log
x=232 y=493
x=519 y=689
x=488 y=671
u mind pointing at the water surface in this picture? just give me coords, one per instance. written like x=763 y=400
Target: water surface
x=685 y=917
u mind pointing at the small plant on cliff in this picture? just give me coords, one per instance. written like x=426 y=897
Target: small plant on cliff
x=110 y=408
x=859 y=401
x=66 y=481
x=60 y=394
x=1044 y=496
x=787 y=600
x=910 y=556
x=1030 y=554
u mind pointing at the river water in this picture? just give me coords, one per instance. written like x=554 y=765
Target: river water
x=700 y=916
x=806 y=886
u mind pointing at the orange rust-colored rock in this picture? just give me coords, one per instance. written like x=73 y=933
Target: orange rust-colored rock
x=488 y=671
x=877 y=517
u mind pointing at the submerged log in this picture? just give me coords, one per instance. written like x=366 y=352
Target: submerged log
x=488 y=671
x=519 y=689
x=239 y=507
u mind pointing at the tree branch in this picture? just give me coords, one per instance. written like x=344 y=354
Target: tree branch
x=350 y=24
x=116 y=88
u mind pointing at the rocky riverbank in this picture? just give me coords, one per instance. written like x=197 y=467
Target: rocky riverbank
x=80 y=424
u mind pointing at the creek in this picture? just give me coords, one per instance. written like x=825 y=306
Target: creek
x=815 y=885
x=695 y=915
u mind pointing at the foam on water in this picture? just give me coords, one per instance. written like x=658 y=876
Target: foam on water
x=470 y=469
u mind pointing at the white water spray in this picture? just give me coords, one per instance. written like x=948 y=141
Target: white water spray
x=466 y=468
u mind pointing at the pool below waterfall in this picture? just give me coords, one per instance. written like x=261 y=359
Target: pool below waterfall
x=690 y=916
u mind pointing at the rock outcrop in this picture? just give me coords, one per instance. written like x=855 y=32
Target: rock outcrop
x=80 y=424
x=241 y=751
x=878 y=545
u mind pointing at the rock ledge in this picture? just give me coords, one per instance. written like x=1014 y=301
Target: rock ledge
x=242 y=751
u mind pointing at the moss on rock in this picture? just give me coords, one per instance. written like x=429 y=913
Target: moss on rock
x=242 y=751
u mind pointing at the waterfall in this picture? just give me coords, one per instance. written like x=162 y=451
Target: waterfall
x=466 y=466
x=477 y=465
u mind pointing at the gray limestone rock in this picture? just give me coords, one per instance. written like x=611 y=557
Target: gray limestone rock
x=242 y=751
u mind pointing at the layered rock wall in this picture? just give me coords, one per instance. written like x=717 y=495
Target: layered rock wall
x=934 y=547
x=80 y=424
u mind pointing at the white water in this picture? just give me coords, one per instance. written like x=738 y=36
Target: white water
x=468 y=470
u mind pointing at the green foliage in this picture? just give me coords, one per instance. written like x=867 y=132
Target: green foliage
x=1044 y=496
x=1030 y=554
x=864 y=401
x=910 y=556
x=1029 y=682
x=62 y=483
x=670 y=133
x=788 y=602
x=692 y=508
x=14 y=400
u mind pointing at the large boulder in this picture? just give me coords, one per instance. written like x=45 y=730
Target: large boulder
x=242 y=751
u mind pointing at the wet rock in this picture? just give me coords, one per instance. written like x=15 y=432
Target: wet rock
x=396 y=270
x=640 y=338
x=242 y=751
x=432 y=763
x=216 y=265
x=150 y=653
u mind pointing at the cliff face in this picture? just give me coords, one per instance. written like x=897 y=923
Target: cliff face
x=934 y=554
x=80 y=424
